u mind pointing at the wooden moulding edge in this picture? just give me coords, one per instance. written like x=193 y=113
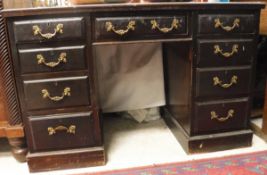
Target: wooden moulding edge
x=64 y=159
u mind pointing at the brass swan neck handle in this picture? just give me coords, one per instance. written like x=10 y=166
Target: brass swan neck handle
x=110 y=27
x=52 y=131
x=66 y=92
x=61 y=59
x=38 y=31
x=174 y=25
x=218 y=24
x=230 y=114
x=217 y=81
x=218 y=50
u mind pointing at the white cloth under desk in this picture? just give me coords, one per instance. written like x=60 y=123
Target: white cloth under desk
x=130 y=76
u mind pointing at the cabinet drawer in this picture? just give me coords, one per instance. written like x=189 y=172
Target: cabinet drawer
x=57 y=93
x=220 y=116
x=223 y=81
x=226 y=23
x=61 y=131
x=52 y=59
x=49 y=29
x=225 y=52
x=133 y=28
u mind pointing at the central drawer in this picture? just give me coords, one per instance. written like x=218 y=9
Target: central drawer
x=61 y=131
x=223 y=82
x=141 y=27
x=52 y=59
x=57 y=93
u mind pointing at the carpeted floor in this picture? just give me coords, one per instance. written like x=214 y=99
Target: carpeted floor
x=243 y=164
x=129 y=144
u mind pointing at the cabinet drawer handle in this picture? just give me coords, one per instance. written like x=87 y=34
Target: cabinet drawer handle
x=52 y=131
x=130 y=26
x=65 y=93
x=218 y=24
x=222 y=119
x=62 y=59
x=217 y=81
x=37 y=31
x=218 y=50
x=174 y=25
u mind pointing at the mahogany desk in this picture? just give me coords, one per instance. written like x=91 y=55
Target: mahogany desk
x=209 y=55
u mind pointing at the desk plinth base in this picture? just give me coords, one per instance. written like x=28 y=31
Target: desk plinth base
x=209 y=142
x=73 y=158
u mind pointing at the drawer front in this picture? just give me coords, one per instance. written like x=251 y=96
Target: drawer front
x=49 y=29
x=226 y=23
x=61 y=132
x=224 y=52
x=223 y=82
x=133 y=28
x=57 y=93
x=220 y=116
x=52 y=59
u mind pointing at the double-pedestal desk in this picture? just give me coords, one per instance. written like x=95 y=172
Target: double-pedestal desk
x=209 y=53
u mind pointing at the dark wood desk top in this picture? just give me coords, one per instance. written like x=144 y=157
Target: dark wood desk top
x=21 y=9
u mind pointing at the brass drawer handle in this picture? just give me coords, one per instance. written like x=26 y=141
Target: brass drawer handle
x=217 y=81
x=62 y=59
x=65 y=93
x=218 y=24
x=230 y=114
x=218 y=50
x=130 y=26
x=37 y=31
x=174 y=25
x=52 y=131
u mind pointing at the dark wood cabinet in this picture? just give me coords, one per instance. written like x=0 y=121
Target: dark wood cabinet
x=209 y=60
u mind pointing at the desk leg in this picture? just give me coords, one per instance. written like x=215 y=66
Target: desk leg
x=17 y=141
x=18 y=148
x=264 y=116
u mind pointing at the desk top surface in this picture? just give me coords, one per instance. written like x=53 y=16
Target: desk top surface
x=20 y=9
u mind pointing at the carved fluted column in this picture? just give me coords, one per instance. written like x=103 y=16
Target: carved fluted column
x=14 y=130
